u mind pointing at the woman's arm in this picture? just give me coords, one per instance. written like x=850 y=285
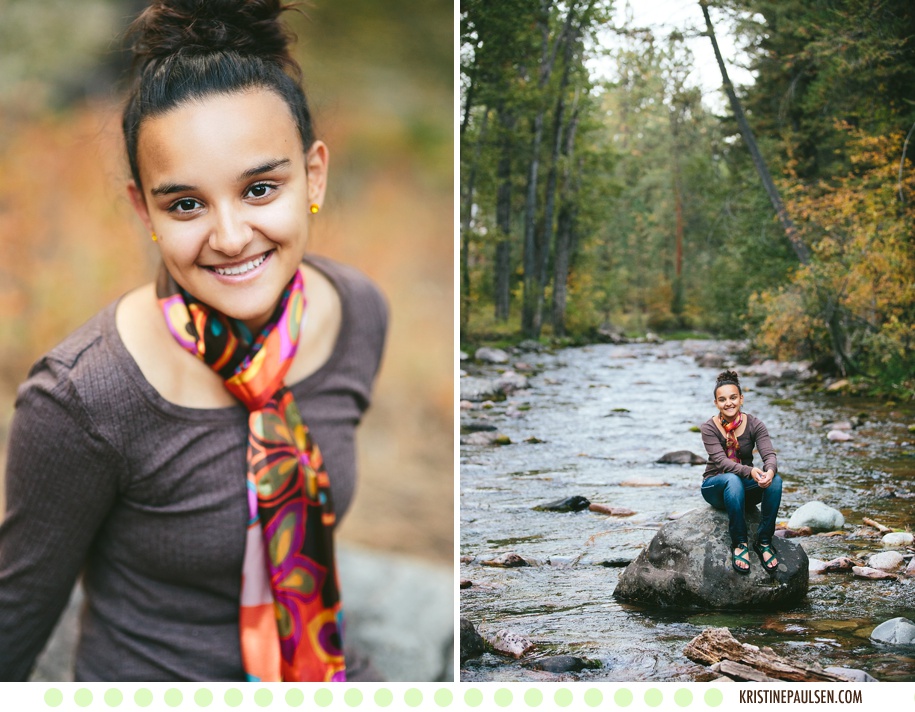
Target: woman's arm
x=716 y=453
x=61 y=479
x=764 y=446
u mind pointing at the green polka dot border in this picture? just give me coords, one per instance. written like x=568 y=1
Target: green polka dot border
x=572 y=695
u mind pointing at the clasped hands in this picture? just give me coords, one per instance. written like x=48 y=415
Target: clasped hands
x=763 y=478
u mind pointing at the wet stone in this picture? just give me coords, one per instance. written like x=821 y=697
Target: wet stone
x=897 y=539
x=490 y=355
x=818 y=516
x=886 y=561
x=681 y=457
x=510 y=643
x=575 y=503
x=472 y=643
x=688 y=565
x=896 y=631
x=559 y=664
x=506 y=561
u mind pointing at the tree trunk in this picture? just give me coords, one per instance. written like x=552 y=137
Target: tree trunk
x=565 y=227
x=502 y=263
x=466 y=216
x=717 y=647
x=800 y=249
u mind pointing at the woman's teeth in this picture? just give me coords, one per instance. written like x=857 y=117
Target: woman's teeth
x=241 y=269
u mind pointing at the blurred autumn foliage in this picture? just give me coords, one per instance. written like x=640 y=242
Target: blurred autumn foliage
x=379 y=78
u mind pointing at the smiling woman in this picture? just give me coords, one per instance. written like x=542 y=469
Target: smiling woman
x=169 y=448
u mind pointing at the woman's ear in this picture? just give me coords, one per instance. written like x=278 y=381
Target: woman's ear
x=316 y=162
x=139 y=204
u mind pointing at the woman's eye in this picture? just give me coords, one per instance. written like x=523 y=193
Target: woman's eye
x=260 y=190
x=185 y=205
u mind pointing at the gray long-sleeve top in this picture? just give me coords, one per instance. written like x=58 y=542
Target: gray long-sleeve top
x=754 y=435
x=148 y=500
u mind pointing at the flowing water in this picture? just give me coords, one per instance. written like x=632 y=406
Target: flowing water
x=605 y=414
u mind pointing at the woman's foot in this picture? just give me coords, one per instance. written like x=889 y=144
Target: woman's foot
x=767 y=555
x=740 y=558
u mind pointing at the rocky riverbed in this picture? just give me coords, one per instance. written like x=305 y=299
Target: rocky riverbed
x=541 y=427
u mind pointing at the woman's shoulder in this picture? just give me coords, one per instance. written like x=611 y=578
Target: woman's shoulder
x=80 y=372
x=709 y=427
x=365 y=307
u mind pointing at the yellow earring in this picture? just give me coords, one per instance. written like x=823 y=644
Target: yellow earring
x=314 y=208
x=155 y=237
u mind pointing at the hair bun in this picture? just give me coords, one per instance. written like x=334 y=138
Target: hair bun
x=250 y=27
x=728 y=376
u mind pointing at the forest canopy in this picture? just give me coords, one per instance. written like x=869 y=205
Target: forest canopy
x=629 y=204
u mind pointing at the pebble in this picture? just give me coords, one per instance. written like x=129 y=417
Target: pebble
x=869 y=573
x=839 y=436
x=510 y=643
x=843 y=563
x=576 y=503
x=840 y=425
x=466 y=405
x=472 y=644
x=558 y=664
x=897 y=539
x=490 y=355
x=817 y=516
x=612 y=511
x=886 y=561
x=506 y=561
x=816 y=566
x=466 y=583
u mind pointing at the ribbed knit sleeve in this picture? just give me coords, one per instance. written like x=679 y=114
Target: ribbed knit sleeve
x=764 y=446
x=62 y=478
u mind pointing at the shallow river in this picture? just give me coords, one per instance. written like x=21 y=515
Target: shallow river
x=605 y=414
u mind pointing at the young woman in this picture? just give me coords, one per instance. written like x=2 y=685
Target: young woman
x=168 y=450
x=731 y=482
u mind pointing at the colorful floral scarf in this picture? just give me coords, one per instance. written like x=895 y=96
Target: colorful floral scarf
x=732 y=447
x=291 y=620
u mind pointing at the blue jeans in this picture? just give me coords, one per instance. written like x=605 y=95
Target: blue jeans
x=731 y=493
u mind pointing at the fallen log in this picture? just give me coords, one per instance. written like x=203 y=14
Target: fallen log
x=876 y=525
x=717 y=645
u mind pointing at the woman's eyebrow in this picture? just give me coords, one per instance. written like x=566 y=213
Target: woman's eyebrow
x=264 y=168
x=169 y=188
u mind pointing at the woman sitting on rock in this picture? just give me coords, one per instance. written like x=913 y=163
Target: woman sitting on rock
x=731 y=482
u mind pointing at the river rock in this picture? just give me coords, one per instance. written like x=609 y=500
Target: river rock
x=853 y=674
x=478 y=389
x=711 y=361
x=509 y=382
x=910 y=569
x=485 y=438
x=558 y=664
x=871 y=573
x=688 y=565
x=841 y=425
x=818 y=516
x=531 y=345
x=575 y=503
x=896 y=631
x=766 y=381
x=472 y=643
x=816 y=566
x=897 y=539
x=510 y=643
x=886 y=561
x=839 y=436
x=506 y=561
x=681 y=457
x=842 y=563
x=611 y=511
x=490 y=355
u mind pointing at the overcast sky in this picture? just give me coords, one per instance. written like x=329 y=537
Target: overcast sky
x=665 y=16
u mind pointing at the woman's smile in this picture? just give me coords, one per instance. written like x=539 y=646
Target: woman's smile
x=242 y=269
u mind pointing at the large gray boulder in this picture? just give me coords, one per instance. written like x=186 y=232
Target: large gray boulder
x=688 y=565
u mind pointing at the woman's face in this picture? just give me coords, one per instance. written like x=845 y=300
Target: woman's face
x=227 y=189
x=728 y=400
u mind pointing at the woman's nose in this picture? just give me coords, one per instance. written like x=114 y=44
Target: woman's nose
x=230 y=234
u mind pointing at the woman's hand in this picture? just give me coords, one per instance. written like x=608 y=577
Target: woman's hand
x=763 y=478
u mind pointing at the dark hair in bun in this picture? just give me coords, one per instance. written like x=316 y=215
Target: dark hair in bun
x=727 y=378
x=187 y=49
